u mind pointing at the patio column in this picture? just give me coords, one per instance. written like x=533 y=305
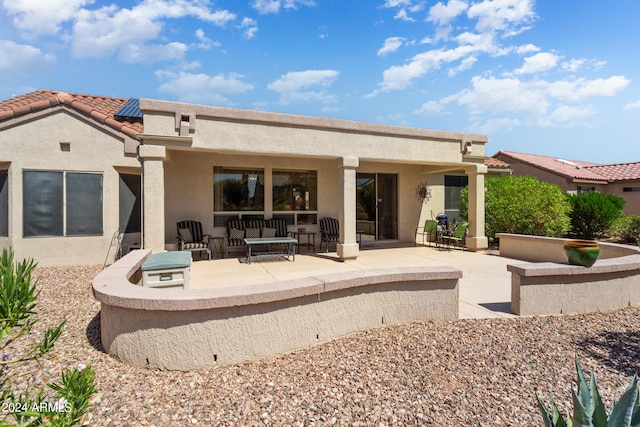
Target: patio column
x=152 y=157
x=476 y=239
x=348 y=247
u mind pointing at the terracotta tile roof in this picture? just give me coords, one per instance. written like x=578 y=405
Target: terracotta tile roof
x=99 y=108
x=492 y=162
x=574 y=169
x=619 y=171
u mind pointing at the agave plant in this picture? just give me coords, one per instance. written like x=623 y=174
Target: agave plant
x=588 y=409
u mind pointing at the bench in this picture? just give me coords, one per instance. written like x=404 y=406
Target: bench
x=167 y=269
x=239 y=229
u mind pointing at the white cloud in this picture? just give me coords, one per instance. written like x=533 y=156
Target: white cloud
x=16 y=59
x=443 y=14
x=508 y=16
x=566 y=115
x=579 y=89
x=205 y=42
x=36 y=17
x=534 y=102
x=109 y=30
x=296 y=86
x=392 y=44
x=633 y=105
x=573 y=65
x=405 y=7
x=265 y=7
x=202 y=88
x=430 y=108
x=539 y=62
x=528 y=48
x=250 y=27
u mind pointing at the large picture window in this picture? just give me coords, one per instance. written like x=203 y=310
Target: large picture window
x=4 y=203
x=295 y=190
x=62 y=203
x=237 y=189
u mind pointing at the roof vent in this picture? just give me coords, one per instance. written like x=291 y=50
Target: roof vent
x=129 y=112
x=568 y=163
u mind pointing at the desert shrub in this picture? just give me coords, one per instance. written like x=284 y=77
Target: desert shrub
x=522 y=205
x=68 y=403
x=593 y=213
x=626 y=229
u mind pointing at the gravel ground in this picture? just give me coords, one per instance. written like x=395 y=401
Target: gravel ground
x=462 y=373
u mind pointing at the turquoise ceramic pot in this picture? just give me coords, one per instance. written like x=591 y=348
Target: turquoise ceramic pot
x=582 y=252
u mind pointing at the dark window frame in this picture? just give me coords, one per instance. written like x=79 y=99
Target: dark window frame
x=62 y=204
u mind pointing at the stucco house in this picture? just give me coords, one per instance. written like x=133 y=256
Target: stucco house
x=75 y=169
x=574 y=176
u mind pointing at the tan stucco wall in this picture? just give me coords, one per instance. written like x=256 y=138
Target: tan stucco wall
x=186 y=329
x=632 y=199
x=35 y=145
x=189 y=187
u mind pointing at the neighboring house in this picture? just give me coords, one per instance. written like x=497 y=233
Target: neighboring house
x=75 y=169
x=573 y=176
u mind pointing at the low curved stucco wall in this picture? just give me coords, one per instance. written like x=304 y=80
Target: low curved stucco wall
x=550 y=285
x=186 y=329
x=551 y=249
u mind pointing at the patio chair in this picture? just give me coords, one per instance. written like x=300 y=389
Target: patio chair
x=191 y=237
x=430 y=228
x=458 y=236
x=329 y=231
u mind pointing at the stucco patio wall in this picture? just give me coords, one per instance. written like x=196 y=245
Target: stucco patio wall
x=551 y=249
x=556 y=287
x=185 y=329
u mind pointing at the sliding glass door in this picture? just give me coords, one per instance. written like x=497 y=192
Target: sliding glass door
x=377 y=206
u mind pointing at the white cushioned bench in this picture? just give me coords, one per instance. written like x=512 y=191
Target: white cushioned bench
x=167 y=269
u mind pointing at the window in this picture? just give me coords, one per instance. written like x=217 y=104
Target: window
x=62 y=204
x=631 y=189
x=453 y=184
x=130 y=203
x=581 y=189
x=237 y=189
x=295 y=191
x=4 y=203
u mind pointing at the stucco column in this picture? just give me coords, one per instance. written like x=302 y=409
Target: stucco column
x=476 y=239
x=152 y=157
x=348 y=247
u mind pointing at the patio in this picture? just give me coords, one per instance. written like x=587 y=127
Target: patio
x=485 y=288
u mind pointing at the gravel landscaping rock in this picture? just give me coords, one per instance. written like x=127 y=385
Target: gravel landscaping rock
x=461 y=373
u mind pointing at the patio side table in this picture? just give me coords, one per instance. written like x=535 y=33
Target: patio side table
x=311 y=239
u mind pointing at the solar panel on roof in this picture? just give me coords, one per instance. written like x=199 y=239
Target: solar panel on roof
x=130 y=110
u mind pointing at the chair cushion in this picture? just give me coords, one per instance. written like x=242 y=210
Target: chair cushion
x=236 y=234
x=252 y=233
x=185 y=235
x=268 y=232
x=195 y=245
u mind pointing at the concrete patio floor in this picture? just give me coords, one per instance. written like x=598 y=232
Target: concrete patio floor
x=485 y=289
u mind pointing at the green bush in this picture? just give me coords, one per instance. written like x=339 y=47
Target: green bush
x=69 y=404
x=626 y=229
x=522 y=205
x=593 y=213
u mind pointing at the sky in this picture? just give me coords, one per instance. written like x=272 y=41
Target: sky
x=558 y=78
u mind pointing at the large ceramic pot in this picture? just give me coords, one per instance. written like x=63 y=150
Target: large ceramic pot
x=582 y=252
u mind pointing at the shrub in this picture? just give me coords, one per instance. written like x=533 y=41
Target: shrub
x=593 y=213
x=522 y=205
x=626 y=229
x=588 y=409
x=70 y=403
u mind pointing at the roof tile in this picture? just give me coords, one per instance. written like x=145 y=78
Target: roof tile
x=99 y=108
x=569 y=168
